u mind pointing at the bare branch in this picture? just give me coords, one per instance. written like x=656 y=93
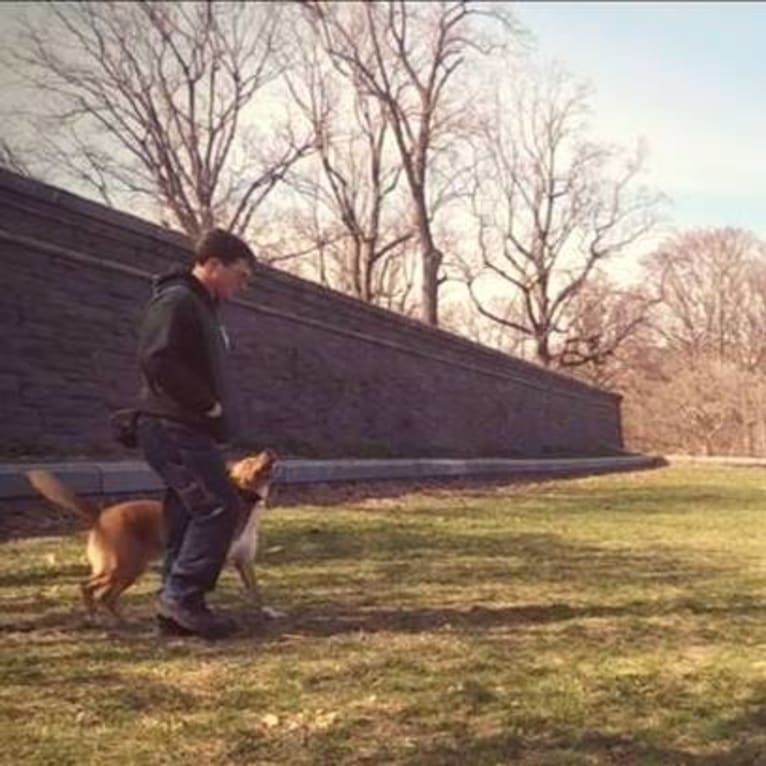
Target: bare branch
x=156 y=94
x=405 y=55
x=549 y=209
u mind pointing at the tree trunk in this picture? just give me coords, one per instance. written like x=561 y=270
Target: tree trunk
x=430 y=295
x=367 y=261
x=542 y=347
x=431 y=258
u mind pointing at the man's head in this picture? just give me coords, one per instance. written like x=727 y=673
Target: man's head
x=223 y=263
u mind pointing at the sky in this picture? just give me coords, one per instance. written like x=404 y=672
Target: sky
x=687 y=78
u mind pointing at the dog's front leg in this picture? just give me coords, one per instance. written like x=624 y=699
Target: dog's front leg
x=246 y=571
x=247 y=575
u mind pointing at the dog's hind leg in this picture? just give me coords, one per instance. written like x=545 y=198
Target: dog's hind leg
x=96 y=582
x=87 y=596
x=108 y=598
x=113 y=589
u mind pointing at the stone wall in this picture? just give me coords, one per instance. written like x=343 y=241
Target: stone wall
x=320 y=374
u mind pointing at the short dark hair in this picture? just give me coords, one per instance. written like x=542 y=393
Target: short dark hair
x=221 y=244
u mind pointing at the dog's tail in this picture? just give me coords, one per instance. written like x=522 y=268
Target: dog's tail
x=57 y=492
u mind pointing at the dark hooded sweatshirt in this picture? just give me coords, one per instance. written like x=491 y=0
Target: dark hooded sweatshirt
x=181 y=350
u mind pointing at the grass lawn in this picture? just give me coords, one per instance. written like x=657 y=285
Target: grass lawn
x=607 y=620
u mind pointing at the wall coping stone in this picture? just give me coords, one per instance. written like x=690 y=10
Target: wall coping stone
x=134 y=476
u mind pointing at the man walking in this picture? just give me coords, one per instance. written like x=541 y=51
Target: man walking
x=186 y=415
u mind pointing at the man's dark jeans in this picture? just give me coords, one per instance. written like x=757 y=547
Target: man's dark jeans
x=202 y=507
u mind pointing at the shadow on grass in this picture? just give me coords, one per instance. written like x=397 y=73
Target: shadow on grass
x=336 y=619
x=589 y=747
x=138 y=639
x=415 y=555
x=540 y=741
x=106 y=692
x=412 y=558
x=745 y=745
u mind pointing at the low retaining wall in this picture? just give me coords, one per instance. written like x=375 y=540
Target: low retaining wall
x=321 y=375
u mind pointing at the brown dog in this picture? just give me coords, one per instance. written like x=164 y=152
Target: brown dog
x=124 y=538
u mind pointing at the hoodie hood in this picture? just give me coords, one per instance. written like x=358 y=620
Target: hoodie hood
x=182 y=277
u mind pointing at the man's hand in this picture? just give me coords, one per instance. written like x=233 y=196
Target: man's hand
x=215 y=411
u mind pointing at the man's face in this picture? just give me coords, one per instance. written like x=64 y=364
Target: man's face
x=230 y=279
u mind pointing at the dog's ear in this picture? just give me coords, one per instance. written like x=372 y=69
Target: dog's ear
x=236 y=470
x=262 y=461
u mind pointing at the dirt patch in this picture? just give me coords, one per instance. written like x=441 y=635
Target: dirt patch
x=30 y=517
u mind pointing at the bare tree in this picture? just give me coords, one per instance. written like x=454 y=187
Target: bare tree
x=352 y=191
x=405 y=55
x=156 y=99
x=700 y=406
x=550 y=206
x=696 y=381
x=711 y=283
x=602 y=318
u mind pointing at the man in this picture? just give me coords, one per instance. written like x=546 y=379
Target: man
x=186 y=414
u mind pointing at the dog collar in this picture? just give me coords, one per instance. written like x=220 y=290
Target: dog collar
x=250 y=496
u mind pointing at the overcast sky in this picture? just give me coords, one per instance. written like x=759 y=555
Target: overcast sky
x=690 y=78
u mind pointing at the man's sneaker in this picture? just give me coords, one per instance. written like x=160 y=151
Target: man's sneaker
x=178 y=619
x=170 y=627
